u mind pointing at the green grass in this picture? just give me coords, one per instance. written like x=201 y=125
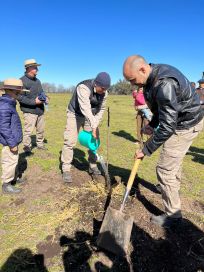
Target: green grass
x=122 y=118
x=34 y=226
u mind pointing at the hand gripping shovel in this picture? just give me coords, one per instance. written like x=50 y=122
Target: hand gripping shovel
x=116 y=228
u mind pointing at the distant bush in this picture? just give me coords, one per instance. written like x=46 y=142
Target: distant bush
x=53 y=88
x=121 y=87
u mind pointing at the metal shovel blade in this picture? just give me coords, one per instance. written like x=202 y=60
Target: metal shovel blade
x=115 y=232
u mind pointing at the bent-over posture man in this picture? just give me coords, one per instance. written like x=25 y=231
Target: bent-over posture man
x=178 y=117
x=85 y=109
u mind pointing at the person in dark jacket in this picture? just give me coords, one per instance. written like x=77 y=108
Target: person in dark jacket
x=200 y=91
x=32 y=106
x=85 y=109
x=10 y=134
x=177 y=120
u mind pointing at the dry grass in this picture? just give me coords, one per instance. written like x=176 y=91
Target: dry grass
x=25 y=225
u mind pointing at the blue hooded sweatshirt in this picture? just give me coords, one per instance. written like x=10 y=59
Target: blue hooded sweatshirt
x=10 y=124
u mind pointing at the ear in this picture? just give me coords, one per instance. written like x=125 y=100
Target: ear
x=142 y=70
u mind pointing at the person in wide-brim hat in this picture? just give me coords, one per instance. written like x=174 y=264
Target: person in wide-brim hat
x=13 y=84
x=11 y=134
x=30 y=63
x=32 y=107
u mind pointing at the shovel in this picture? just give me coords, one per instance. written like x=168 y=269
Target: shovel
x=116 y=228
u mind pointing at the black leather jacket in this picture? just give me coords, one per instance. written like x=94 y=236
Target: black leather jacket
x=175 y=106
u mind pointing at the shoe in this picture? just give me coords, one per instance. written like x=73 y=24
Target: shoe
x=165 y=221
x=20 y=180
x=94 y=171
x=7 y=188
x=42 y=147
x=17 y=181
x=158 y=188
x=27 y=150
x=67 y=178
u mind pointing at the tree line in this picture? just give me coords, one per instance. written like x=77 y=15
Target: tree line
x=122 y=87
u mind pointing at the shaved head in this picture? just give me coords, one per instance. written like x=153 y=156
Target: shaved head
x=136 y=70
x=134 y=61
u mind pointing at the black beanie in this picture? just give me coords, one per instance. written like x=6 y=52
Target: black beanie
x=103 y=80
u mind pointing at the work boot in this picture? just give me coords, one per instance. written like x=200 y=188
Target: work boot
x=66 y=176
x=20 y=181
x=42 y=147
x=94 y=171
x=165 y=221
x=7 y=188
x=17 y=181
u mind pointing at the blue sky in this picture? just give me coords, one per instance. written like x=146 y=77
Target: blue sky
x=74 y=40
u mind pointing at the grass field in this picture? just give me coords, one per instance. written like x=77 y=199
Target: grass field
x=50 y=227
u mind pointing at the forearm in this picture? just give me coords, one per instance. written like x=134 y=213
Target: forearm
x=99 y=115
x=167 y=116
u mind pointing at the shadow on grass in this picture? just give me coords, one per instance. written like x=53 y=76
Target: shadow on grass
x=78 y=161
x=33 y=141
x=124 y=134
x=137 y=193
x=197 y=153
x=80 y=250
x=23 y=260
x=181 y=248
x=21 y=166
x=124 y=174
x=60 y=162
x=78 y=253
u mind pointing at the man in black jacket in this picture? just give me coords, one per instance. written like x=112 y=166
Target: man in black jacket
x=177 y=120
x=32 y=106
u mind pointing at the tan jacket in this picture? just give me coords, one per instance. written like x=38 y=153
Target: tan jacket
x=83 y=94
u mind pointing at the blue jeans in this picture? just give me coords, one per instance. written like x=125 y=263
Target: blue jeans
x=147 y=113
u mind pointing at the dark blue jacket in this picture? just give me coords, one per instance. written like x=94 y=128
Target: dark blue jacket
x=10 y=124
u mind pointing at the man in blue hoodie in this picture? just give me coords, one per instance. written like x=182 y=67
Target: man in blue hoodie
x=10 y=134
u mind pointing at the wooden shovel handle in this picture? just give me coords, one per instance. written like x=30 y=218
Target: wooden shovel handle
x=133 y=174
